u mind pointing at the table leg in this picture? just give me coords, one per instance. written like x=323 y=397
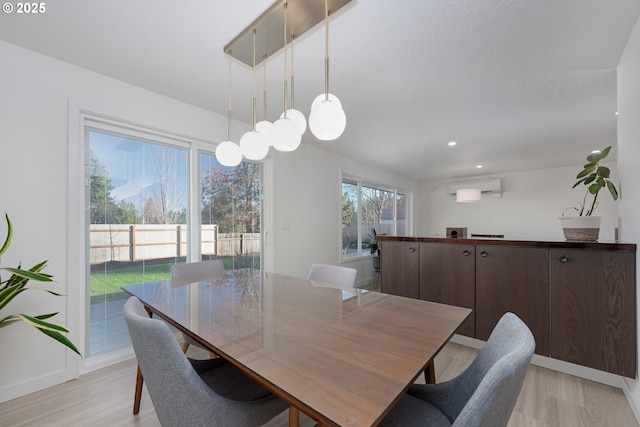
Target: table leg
x=430 y=373
x=294 y=417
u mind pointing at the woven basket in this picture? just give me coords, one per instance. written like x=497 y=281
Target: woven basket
x=584 y=234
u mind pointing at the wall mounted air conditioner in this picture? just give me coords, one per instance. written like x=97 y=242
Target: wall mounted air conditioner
x=493 y=186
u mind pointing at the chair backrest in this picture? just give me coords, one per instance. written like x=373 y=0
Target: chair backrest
x=182 y=274
x=486 y=392
x=178 y=393
x=333 y=275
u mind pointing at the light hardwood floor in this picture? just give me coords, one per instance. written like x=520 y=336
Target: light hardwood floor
x=104 y=398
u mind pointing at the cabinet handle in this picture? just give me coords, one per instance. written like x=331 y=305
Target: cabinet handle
x=564 y=259
x=484 y=254
x=465 y=252
x=412 y=250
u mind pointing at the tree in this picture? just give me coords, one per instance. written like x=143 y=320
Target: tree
x=102 y=207
x=231 y=198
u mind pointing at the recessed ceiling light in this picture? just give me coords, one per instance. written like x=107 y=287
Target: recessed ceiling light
x=595 y=151
x=616 y=113
x=452 y=143
x=479 y=167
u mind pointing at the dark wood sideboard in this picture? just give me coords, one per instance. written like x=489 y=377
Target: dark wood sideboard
x=578 y=298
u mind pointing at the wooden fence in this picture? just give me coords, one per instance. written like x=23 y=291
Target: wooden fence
x=137 y=242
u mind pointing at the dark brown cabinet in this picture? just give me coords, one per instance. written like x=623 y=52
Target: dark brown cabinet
x=447 y=275
x=514 y=279
x=399 y=268
x=578 y=298
x=593 y=313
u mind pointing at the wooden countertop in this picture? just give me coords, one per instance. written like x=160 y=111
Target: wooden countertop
x=559 y=244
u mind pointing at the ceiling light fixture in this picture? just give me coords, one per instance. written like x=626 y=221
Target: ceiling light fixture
x=253 y=144
x=285 y=134
x=327 y=120
x=299 y=16
x=228 y=153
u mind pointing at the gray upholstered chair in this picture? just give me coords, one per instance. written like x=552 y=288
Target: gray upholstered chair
x=194 y=392
x=483 y=395
x=183 y=274
x=333 y=275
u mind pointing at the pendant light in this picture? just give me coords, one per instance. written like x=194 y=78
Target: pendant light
x=327 y=120
x=253 y=144
x=285 y=134
x=295 y=115
x=228 y=153
x=264 y=126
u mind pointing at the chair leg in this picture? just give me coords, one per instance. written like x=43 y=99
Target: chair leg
x=138 y=393
x=185 y=346
x=430 y=373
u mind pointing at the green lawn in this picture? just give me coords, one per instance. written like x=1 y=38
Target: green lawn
x=111 y=281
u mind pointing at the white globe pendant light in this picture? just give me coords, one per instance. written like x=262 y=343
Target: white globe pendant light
x=264 y=127
x=285 y=134
x=298 y=118
x=253 y=144
x=228 y=154
x=323 y=97
x=327 y=120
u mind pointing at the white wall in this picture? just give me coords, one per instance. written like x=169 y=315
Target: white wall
x=529 y=208
x=628 y=159
x=34 y=169
x=308 y=188
x=40 y=186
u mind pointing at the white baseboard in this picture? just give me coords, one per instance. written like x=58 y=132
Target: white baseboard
x=21 y=389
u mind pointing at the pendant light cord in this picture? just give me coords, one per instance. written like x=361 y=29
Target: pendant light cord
x=326 y=51
x=254 y=79
x=285 y=60
x=264 y=85
x=229 y=100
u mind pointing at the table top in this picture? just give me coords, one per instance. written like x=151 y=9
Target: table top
x=343 y=356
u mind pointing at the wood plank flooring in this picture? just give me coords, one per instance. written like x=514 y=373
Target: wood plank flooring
x=104 y=398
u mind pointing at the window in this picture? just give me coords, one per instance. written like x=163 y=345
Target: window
x=369 y=209
x=137 y=218
x=231 y=212
x=143 y=215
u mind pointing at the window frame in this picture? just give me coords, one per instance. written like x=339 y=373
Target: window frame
x=361 y=182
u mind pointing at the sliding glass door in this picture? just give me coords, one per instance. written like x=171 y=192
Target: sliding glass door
x=137 y=217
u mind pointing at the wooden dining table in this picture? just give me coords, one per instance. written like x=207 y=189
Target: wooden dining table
x=341 y=356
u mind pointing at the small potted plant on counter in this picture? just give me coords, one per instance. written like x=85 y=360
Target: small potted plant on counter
x=586 y=226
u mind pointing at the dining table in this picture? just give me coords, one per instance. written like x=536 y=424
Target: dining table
x=342 y=356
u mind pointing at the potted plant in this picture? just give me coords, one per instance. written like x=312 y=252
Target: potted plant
x=16 y=284
x=595 y=177
x=374 y=247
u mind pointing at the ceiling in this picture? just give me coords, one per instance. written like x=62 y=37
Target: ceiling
x=518 y=85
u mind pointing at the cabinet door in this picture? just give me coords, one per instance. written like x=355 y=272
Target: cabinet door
x=514 y=279
x=447 y=275
x=399 y=268
x=593 y=309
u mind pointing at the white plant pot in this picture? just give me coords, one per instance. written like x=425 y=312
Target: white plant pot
x=581 y=228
